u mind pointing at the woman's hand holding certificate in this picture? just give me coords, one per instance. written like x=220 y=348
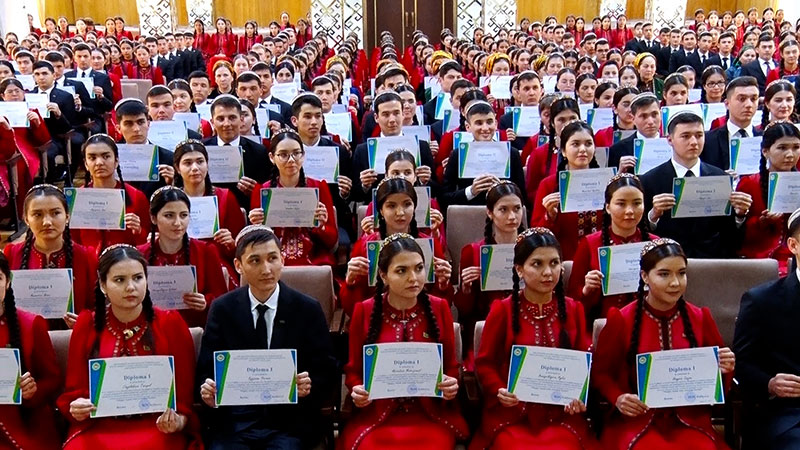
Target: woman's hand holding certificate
x=130 y=385
x=404 y=369
x=550 y=376
x=685 y=377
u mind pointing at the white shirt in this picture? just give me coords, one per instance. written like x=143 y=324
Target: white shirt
x=681 y=171
x=761 y=63
x=267 y=99
x=733 y=129
x=59 y=82
x=79 y=73
x=639 y=135
x=234 y=143
x=269 y=316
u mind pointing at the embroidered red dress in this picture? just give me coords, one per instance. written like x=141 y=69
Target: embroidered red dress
x=247 y=42
x=762 y=238
x=166 y=335
x=613 y=375
x=26 y=140
x=210 y=281
x=100 y=239
x=527 y=425
x=32 y=425
x=222 y=44
x=405 y=423
x=536 y=169
x=154 y=74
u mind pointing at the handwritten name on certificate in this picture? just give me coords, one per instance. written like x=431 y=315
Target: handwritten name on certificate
x=650 y=153
x=403 y=369
x=46 y=292
x=552 y=376
x=745 y=155
x=96 y=208
x=203 y=217
x=583 y=190
x=783 y=192
x=10 y=372
x=167 y=285
x=374 y=251
x=322 y=163
x=526 y=120
x=139 y=162
x=619 y=265
x=686 y=377
x=290 y=207
x=702 y=196
x=422 y=132
x=131 y=385
x=379 y=148
x=167 y=133
x=340 y=124
x=16 y=113
x=484 y=158
x=497 y=262
x=256 y=377
x=225 y=163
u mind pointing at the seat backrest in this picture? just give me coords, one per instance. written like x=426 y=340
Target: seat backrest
x=144 y=87
x=459 y=342
x=197 y=337
x=476 y=339
x=361 y=212
x=465 y=224
x=597 y=327
x=314 y=281
x=567 y=272
x=130 y=90
x=60 y=340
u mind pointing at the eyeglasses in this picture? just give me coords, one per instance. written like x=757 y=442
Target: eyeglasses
x=294 y=155
x=718 y=84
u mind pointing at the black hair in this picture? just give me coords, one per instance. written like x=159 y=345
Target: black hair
x=478 y=107
x=10 y=313
x=675 y=79
x=385 y=97
x=619 y=94
x=9 y=82
x=561 y=73
x=157 y=202
x=157 y=90
x=743 y=81
x=569 y=130
x=558 y=106
x=387 y=187
x=104 y=139
x=493 y=196
x=198 y=74
x=46 y=191
x=257 y=236
x=46 y=63
x=252 y=109
x=771 y=135
x=600 y=89
x=399 y=155
x=783 y=46
x=132 y=108
x=612 y=187
x=683 y=118
x=284 y=135
x=226 y=101
x=775 y=87
x=305 y=99
x=182 y=149
x=708 y=72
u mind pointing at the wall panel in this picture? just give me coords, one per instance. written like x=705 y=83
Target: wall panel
x=537 y=10
x=239 y=11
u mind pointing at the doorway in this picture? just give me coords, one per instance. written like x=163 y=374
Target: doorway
x=402 y=17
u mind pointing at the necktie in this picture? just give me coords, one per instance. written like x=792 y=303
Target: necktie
x=702 y=59
x=261 y=326
x=689 y=174
x=725 y=63
x=767 y=68
x=83 y=74
x=741 y=133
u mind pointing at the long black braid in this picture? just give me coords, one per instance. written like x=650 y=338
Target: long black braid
x=427 y=308
x=763 y=181
x=104 y=139
x=26 y=249
x=515 y=302
x=14 y=334
x=633 y=350
x=158 y=200
x=688 y=330
x=44 y=191
x=376 y=318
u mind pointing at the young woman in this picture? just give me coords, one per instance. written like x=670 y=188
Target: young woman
x=788 y=67
x=31 y=424
x=645 y=64
x=299 y=246
x=182 y=103
x=713 y=81
x=676 y=90
x=201 y=39
x=48 y=245
x=169 y=214
x=250 y=37
x=689 y=73
x=746 y=55
x=128 y=326
x=142 y=69
x=622 y=224
x=764 y=231
x=101 y=160
x=577 y=151
x=284 y=72
x=604 y=94
x=565 y=81
x=584 y=65
x=539 y=315
x=585 y=87
x=659 y=319
x=191 y=170
x=240 y=64
x=623 y=117
x=222 y=42
x=779 y=103
x=224 y=78
x=629 y=77
x=622 y=34
x=404 y=313
x=128 y=56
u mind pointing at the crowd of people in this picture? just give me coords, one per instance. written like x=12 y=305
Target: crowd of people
x=557 y=76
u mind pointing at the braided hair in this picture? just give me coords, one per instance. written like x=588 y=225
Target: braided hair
x=494 y=195
x=46 y=190
x=558 y=106
x=618 y=96
x=601 y=89
x=158 y=201
x=390 y=186
x=772 y=90
x=284 y=135
x=786 y=44
x=10 y=312
x=772 y=134
x=184 y=148
x=570 y=130
x=617 y=183
x=104 y=139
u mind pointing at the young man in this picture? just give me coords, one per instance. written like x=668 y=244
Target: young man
x=248 y=87
x=161 y=107
x=25 y=60
x=267 y=314
x=601 y=48
x=193 y=55
x=701 y=237
x=667 y=50
x=102 y=83
x=687 y=54
x=588 y=45
x=707 y=57
x=323 y=87
x=133 y=124
x=526 y=89
x=83 y=112
x=726 y=42
x=646 y=111
x=62 y=117
x=264 y=71
x=200 y=85
x=741 y=99
x=449 y=72
x=763 y=64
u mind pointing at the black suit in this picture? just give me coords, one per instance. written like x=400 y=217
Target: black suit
x=195 y=60
x=429 y=111
x=344 y=215
x=299 y=324
x=622 y=148
x=701 y=237
x=286 y=110
x=506 y=122
x=713 y=59
x=679 y=58
x=756 y=69
x=102 y=80
x=58 y=126
x=256 y=166
x=361 y=163
x=765 y=344
x=716 y=150
x=663 y=58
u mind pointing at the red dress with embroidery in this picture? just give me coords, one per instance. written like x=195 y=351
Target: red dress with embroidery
x=101 y=239
x=232 y=219
x=306 y=246
x=596 y=305
x=405 y=423
x=568 y=227
x=154 y=74
x=84 y=271
x=527 y=425
x=210 y=281
x=166 y=335
x=32 y=425
x=536 y=169
x=613 y=375
x=246 y=43
x=762 y=238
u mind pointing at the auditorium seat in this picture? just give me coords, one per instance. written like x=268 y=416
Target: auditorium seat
x=567 y=272
x=597 y=327
x=361 y=213
x=476 y=342
x=143 y=87
x=130 y=90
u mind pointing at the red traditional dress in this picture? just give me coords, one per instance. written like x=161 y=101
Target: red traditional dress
x=84 y=271
x=137 y=72
x=762 y=238
x=440 y=235
x=210 y=281
x=613 y=375
x=26 y=140
x=232 y=219
x=166 y=335
x=790 y=75
x=620 y=37
x=585 y=260
x=568 y=227
x=247 y=42
x=201 y=42
x=32 y=425
x=536 y=168
x=222 y=44
x=306 y=246
x=604 y=137
x=101 y=239
x=404 y=423
x=527 y=425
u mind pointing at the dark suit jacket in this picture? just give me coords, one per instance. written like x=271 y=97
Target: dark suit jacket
x=299 y=324
x=148 y=187
x=716 y=150
x=506 y=122
x=87 y=112
x=195 y=60
x=622 y=148
x=755 y=69
x=102 y=80
x=286 y=110
x=167 y=66
x=361 y=163
x=679 y=59
x=256 y=166
x=663 y=58
x=712 y=60
x=701 y=237
x=429 y=112
x=66 y=103
x=343 y=213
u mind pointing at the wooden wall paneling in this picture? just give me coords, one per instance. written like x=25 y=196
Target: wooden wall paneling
x=537 y=10
x=239 y=11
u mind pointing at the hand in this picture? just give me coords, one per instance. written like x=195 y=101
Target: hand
x=575 y=407
x=170 y=421
x=246 y=185
x=784 y=385
x=345 y=184
x=733 y=174
x=195 y=301
x=208 y=392
x=33 y=118
x=133 y=223
x=368 y=178
x=436 y=219
x=444 y=163
x=630 y=405
x=423 y=174
x=490 y=98
x=346 y=146
x=483 y=183
x=303 y=384
x=767 y=216
x=449 y=387
x=727 y=360
x=551 y=203
x=274 y=127
x=661 y=204
x=627 y=163
x=54 y=109
x=27 y=385
x=360 y=396
x=506 y=398
x=443 y=270
x=511 y=135
x=81 y=408
x=434 y=147
x=357 y=267
x=321 y=214
x=98 y=92
x=468 y=275
x=592 y=282
x=166 y=172
x=740 y=202
x=256 y=216
x=78 y=103
x=70 y=319
x=224 y=237
x=368 y=224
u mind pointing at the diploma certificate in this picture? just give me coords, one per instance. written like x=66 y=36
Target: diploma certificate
x=403 y=369
x=88 y=83
x=203 y=217
x=374 y=250
x=422 y=213
x=96 y=208
x=650 y=153
x=46 y=292
x=192 y=120
x=256 y=377
x=783 y=193
x=702 y=196
x=497 y=262
x=379 y=148
x=167 y=133
x=132 y=385
x=38 y=102
x=451 y=119
x=552 y=376
x=500 y=87
x=16 y=113
x=714 y=111
x=284 y=91
x=225 y=163
x=668 y=112
x=422 y=132
x=138 y=162
x=600 y=118
x=620 y=267
x=10 y=373
x=622 y=134
x=322 y=163
x=442 y=104
x=340 y=124
x=583 y=190
x=687 y=377
x=290 y=207
x=526 y=120
x=167 y=285
x=745 y=155
x=484 y=158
